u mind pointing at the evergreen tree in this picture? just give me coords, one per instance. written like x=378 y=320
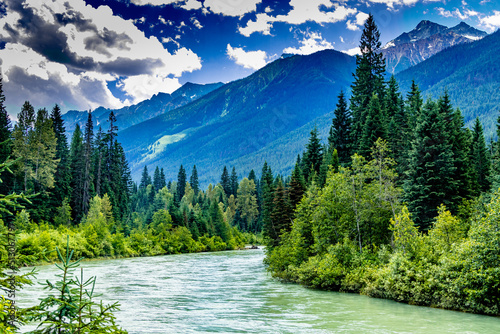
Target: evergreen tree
x=368 y=78
x=266 y=196
x=281 y=217
x=88 y=149
x=157 y=179
x=99 y=154
x=430 y=178
x=234 y=182
x=374 y=128
x=62 y=177
x=398 y=121
x=246 y=203
x=313 y=156
x=340 y=131
x=163 y=181
x=145 y=178
x=77 y=173
x=251 y=175
x=414 y=103
x=297 y=187
x=181 y=183
x=21 y=134
x=225 y=181
x=480 y=158
x=193 y=181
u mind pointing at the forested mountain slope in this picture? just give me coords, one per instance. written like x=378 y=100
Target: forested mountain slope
x=240 y=117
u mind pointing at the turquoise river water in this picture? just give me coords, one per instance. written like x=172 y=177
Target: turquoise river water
x=231 y=292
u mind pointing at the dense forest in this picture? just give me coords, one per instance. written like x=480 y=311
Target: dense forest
x=401 y=204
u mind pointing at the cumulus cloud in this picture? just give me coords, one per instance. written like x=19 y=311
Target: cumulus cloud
x=312 y=42
x=248 y=59
x=358 y=22
x=224 y=7
x=491 y=22
x=353 y=51
x=81 y=48
x=321 y=11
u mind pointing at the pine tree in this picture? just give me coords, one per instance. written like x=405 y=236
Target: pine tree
x=251 y=175
x=368 y=78
x=234 y=182
x=77 y=173
x=340 y=131
x=225 y=181
x=21 y=134
x=297 y=187
x=193 y=181
x=157 y=179
x=267 y=195
x=374 y=128
x=313 y=156
x=480 y=159
x=414 y=103
x=88 y=149
x=430 y=178
x=398 y=121
x=163 y=181
x=281 y=217
x=62 y=177
x=99 y=154
x=145 y=178
x=181 y=183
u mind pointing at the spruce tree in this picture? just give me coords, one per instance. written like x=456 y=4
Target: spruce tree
x=297 y=187
x=62 y=177
x=225 y=181
x=157 y=179
x=193 y=181
x=99 y=155
x=145 y=178
x=340 y=131
x=397 y=121
x=414 y=103
x=368 y=78
x=480 y=159
x=281 y=217
x=77 y=173
x=234 y=182
x=181 y=183
x=266 y=196
x=430 y=178
x=374 y=128
x=163 y=181
x=88 y=153
x=313 y=156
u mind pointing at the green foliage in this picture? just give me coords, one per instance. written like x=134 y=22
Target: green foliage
x=70 y=306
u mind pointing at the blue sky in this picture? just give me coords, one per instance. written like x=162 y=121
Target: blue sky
x=83 y=54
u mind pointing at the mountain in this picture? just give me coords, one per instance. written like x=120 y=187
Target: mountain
x=241 y=117
x=427 y=39
x=131 y=115
x=470 y=73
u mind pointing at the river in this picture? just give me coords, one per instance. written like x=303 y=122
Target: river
x=230 y=292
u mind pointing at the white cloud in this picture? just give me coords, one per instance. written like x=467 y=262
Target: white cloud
x=467 y=13
x=232 y=7
x=196 y=23
x=393 y=3
x=224 y=7
x=491 y=22
x=302 y=11
x=107 y=44
x=353 y=51
x=312 y=42
x=356 y=24
x=251 y=59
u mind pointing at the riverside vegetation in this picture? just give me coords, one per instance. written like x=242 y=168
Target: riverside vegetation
x=407 y=209
x=398 y=204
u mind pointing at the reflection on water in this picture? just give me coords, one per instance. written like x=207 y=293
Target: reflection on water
x=230 y=292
